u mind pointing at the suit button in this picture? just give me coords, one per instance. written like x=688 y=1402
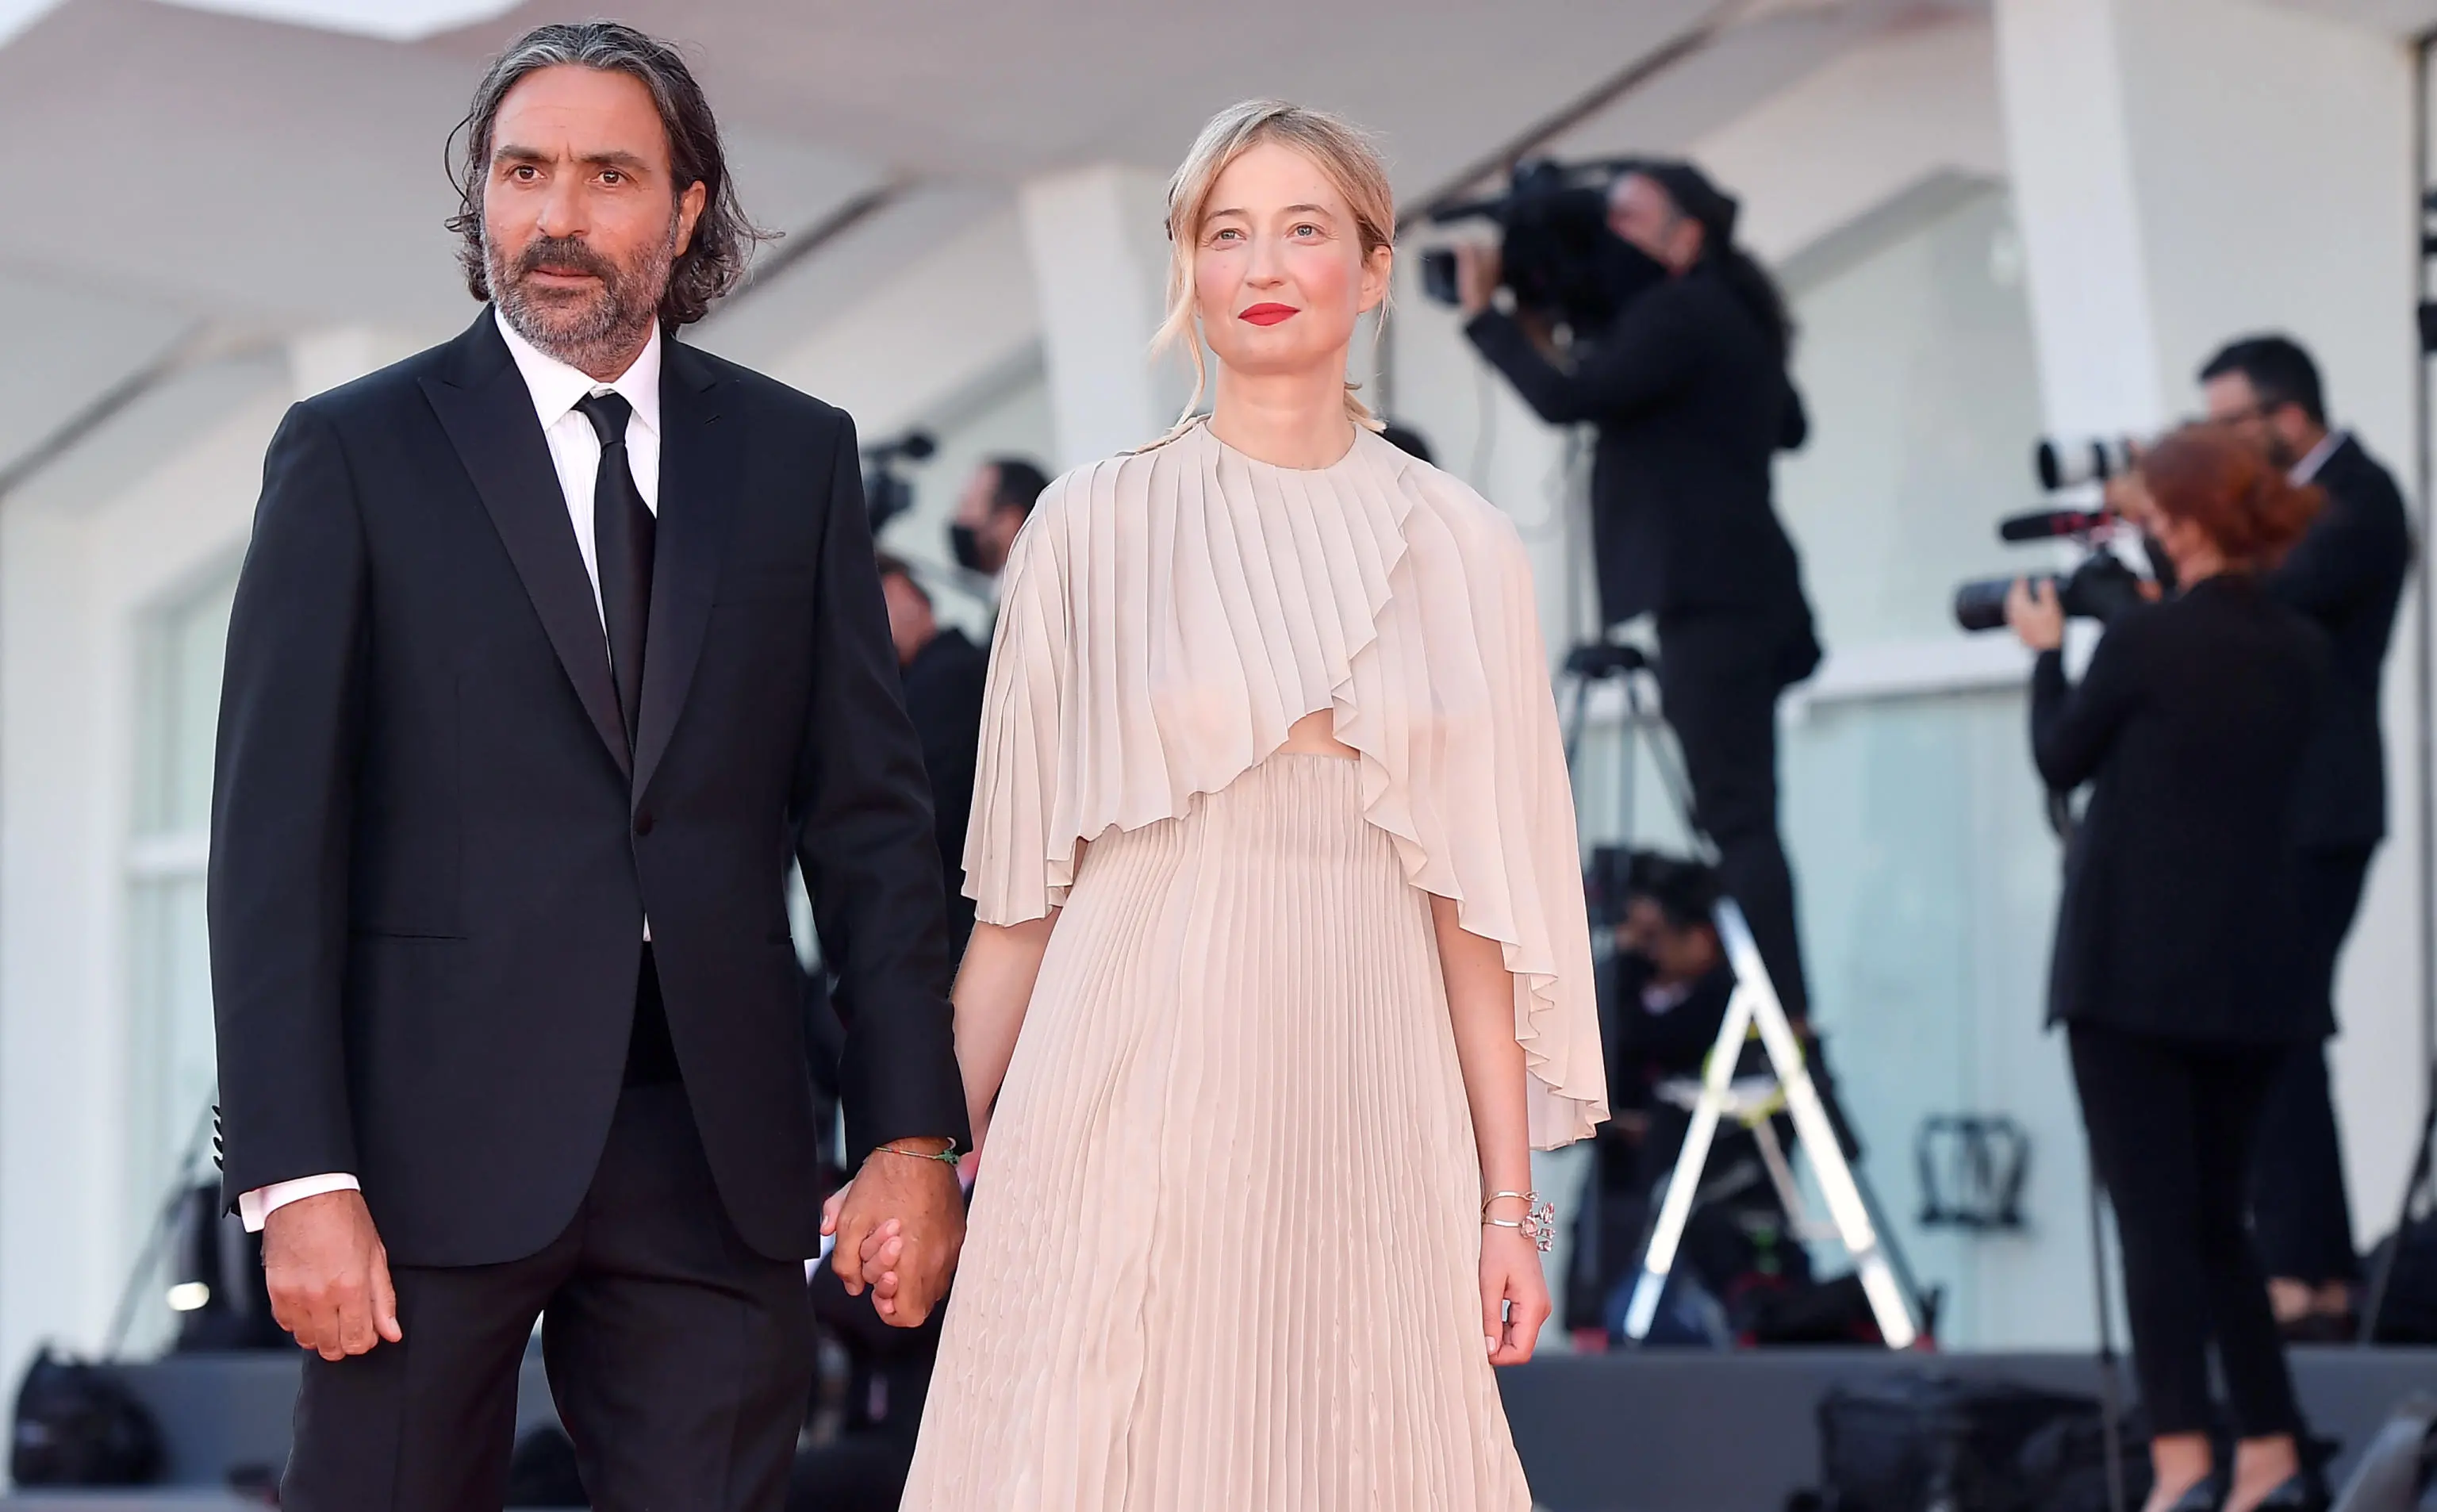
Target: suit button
x=644 y=823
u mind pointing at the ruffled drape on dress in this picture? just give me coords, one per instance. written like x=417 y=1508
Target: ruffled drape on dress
x=1167 y=614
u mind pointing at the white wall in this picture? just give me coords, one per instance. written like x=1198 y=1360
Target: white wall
x=960 y=307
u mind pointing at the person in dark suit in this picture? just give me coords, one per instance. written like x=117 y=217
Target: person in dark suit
x=997 y=502
x=944 y=674
x=2347 y=573
x=552 y=646
x=1689 y=394
x=2178 y=947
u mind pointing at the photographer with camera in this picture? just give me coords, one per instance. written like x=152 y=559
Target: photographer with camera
x=2179 y=950
x=1688 y=391
x=2347 y=574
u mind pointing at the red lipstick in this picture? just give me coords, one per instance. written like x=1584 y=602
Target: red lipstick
x=1268 y=314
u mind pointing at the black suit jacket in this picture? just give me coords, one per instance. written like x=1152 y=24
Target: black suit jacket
x=2347 y=574
x=433 y=856
x=944 y=684
x=2180 y=914
x=1692 y=405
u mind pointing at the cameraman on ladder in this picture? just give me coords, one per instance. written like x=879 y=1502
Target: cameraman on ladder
x=1688 y=391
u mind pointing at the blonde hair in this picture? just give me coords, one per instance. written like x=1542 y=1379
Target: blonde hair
x=1341 y=149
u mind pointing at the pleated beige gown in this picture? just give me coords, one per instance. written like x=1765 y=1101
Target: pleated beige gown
x=1224 y=1249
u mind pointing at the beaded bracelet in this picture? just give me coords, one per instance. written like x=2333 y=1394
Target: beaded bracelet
x=945 y=1157
x=1539 y=1223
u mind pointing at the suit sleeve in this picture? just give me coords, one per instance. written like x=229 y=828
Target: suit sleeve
x=2072 y=727
x=1647 y=358
x=2350 y=553
x=282 y=816
x=861 y=817
x=1796 y=428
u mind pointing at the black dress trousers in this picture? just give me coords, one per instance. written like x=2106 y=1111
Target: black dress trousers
x=2299 y=1205
x=680 y=1359
x=1719 y=678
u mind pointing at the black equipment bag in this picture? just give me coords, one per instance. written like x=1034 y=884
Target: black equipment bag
x=77 y=1425
x=1931 y=1443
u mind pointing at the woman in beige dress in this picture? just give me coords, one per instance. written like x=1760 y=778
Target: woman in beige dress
x=1282 y=966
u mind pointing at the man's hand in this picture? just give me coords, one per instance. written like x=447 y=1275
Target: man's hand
x=328 y=1275
x=1476 y=272
x=898 y=1225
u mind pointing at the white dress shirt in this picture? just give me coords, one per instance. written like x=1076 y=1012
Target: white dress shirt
x=575 y=453
x=2316 y=458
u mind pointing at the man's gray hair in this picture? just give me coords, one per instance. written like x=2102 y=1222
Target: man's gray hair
x=723 y=238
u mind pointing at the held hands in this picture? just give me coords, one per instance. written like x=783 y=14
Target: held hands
x=2032 y=609
x=328 y=1275
x=1514 y=1294
x=900 y=1223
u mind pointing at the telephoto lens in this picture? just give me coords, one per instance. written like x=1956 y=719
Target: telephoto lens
x=2063 y=464
x=1980 y=605
x=2100 y=588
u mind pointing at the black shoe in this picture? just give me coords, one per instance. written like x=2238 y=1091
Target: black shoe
x=2321 y=1328
x=2202 y=1496
x=2299 y=1492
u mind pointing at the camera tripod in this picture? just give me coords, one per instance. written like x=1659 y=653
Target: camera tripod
x=1753 y=1010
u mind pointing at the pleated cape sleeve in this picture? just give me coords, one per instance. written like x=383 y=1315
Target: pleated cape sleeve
x=1165 y=617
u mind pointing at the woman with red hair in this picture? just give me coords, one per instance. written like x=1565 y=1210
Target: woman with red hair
x=2178 y=949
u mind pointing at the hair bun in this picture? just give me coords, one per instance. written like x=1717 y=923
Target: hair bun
x=2245 y=503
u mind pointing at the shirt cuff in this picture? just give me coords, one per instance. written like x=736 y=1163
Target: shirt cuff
x=256 y=1206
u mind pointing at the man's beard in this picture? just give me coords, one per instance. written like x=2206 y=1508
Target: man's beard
x=582 y=329
x=2281 y=454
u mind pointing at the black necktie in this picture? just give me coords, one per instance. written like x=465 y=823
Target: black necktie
x=622 y=531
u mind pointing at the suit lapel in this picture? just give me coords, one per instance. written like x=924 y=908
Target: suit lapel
x=701 y=450
x=484 y=406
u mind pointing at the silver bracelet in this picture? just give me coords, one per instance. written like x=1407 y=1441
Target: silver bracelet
x=1539 y=1223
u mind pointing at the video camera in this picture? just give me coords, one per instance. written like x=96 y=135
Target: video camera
x=885 y=495
x=1558 y=256
x=2102 y=586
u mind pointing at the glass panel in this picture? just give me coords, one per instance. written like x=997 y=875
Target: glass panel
x=180 y=718
x=1928 y=883
x=172 y=1070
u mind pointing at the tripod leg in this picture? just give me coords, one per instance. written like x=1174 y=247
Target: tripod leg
x=1659 y=1256
x=2109 y=1388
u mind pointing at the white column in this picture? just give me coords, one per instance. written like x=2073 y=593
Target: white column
x=1100 y=262
x=2188 y=171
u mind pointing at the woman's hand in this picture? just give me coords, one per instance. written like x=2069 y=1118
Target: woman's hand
x=2032 y=609
x=1514 y=1294
x=1478 y=268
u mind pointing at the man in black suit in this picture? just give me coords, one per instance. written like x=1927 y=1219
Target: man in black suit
x=553 y=646
x=1689 y=393
x=2347 y=574
x=945 y=676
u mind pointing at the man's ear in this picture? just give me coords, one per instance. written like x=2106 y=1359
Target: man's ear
x=690 y=214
